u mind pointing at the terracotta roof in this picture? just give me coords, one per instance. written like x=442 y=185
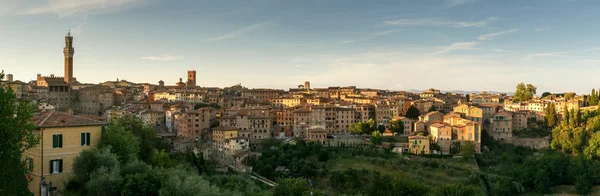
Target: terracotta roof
x=61 y=119
x=241 y=153
x=432 y=113
x=57 y=81
x=98 y=118
x=438 y=125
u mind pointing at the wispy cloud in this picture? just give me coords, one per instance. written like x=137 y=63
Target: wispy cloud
x=490 y=36
x=347 y=41
x=591 y=49
x=240 y=32
x=78 y=30
x=373 y=36
x=590 y=61
x=548 y=54
x=540 y=29
x=163 y=58
x=456 y=47
x=385 y=33
x=501 y=50
x=453 y=3
x=436 y=22
x=65 y=8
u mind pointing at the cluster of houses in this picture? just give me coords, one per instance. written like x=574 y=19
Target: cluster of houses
x=226 y=124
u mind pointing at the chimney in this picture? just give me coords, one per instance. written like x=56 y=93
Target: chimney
x=9 y=77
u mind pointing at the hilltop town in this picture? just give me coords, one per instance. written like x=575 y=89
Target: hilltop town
x=232 y=125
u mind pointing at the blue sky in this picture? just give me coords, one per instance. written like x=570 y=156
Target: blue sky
x=398 y=45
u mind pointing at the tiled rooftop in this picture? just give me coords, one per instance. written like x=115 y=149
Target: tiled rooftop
x=61 y=119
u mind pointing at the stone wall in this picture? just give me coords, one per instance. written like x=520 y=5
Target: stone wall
x=536 y=143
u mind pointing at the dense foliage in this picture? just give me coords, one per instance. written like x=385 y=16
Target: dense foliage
x=310 y=167
x=524 y=169
x=524 y=92
x=118 y=168
x=16 y=135
x=397 y=126
x=413 y=112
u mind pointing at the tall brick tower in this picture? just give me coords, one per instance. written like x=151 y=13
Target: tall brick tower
x=191 y=78
x=69 y=51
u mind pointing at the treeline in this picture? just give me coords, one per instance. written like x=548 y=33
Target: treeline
x=365 y=182
x=593 y=98
x=578 y=133
x=529 y=170
x=309 y=170
x=131 y=161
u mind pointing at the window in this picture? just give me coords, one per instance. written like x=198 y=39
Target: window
x=57 y=141
x=85 y=139
x=56 y=166
x=30 y=164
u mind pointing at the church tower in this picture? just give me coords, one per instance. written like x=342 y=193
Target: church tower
x=191 y=78
x=69 y=51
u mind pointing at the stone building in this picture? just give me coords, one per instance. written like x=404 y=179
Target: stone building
x=94 y=100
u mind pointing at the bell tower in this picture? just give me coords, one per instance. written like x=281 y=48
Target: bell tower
x=191 y=78
x=69 y=51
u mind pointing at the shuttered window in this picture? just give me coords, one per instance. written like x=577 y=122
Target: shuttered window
x=85 y=139
x=57 y=140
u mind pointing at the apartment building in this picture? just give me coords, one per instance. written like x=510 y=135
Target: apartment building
x=62 y=138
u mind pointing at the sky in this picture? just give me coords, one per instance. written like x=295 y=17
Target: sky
x=395 y=45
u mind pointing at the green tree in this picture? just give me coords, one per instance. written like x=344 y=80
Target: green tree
x=148 y=183
x=103 y=182
x=397 y=126
x=381 y=128
x=182 y=181
x=291 y=187
x=432 y=109
x=146 y=136
x=376 y=138
x=457 y=190
x=524 y=92
x=467 y=148
x=134 y=167
x=551 y=115
x=123 y=143
x=16 y=135
x=468 y=97
x=89 y=161
x=545 y=94
x=542 y=181
x=582 y=184
x=413 y=112
x=371 y=126
x=162 y=159
x=569 y=95
x=357 y=128
x=592 y=151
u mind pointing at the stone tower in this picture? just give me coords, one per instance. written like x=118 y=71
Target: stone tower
x=307 y=85
x=191 y=78
x=69 y=51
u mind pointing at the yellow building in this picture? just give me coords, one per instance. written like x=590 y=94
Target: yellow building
x=62 y=138
x=418 y=144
